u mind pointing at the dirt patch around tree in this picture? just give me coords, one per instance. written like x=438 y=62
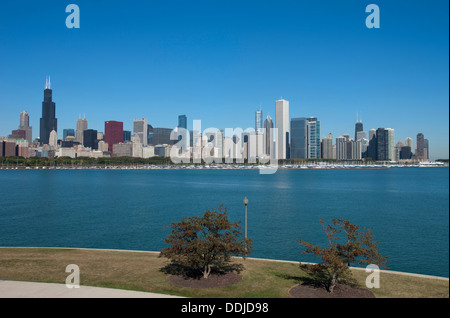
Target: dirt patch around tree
x=214 y=280
x=340 y=291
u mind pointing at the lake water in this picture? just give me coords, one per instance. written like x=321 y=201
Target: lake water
x=406 y=208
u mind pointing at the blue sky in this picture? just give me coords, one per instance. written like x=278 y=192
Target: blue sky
x=219 y=61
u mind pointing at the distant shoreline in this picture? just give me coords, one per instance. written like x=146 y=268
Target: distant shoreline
x=221 y=167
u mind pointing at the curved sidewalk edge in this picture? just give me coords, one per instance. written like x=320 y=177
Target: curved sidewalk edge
x=17 y=289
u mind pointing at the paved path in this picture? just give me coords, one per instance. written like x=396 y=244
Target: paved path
x=15 y=289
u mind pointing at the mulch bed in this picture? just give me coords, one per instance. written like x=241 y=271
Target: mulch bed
x=340 y=291
x=214 y=280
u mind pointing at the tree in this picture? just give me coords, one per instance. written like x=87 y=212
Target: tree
x=358 y=246
x=201 y=243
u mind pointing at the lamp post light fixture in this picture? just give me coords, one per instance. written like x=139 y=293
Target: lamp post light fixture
x=245 y=203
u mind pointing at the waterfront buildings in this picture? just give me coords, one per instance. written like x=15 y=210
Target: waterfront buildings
x=113 y=134
x=282 y=126
x=25 y=126
x=313 y=146
x=182 y=121
x=420 y=144
x=327 y=149
x=48 y=121
x=90 y=139
x=358 y=129
x=299 y=138
x=268 y=137
x=82 y=125
x=305 y=138
x=140 y=128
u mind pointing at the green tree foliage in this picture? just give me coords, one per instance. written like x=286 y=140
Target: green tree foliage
x=203 y=242
x=355 y=246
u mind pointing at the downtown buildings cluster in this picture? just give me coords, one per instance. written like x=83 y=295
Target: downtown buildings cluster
x=284 y=138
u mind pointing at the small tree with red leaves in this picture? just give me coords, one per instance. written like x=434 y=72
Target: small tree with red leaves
x=357 y=246
x=206 y=242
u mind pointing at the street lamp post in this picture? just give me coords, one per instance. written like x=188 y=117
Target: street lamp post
x=245 y=203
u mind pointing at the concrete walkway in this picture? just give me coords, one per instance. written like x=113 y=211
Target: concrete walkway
x=16 y=289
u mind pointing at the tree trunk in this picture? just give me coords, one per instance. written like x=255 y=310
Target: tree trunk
x=206 y=271
x=332 y=283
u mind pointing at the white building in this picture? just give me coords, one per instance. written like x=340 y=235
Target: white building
x=282 y=125
x=82 y=125
x=140 y=128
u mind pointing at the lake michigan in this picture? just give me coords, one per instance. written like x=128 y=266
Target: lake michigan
x=406 y=208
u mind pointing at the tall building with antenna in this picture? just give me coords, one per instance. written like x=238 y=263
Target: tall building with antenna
x=358 y=126
x=48 y=121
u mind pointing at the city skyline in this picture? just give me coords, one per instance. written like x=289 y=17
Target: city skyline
x=300 y=138
x=331 y=66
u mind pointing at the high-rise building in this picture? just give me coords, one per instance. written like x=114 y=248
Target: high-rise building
x=126 y=135
x=258 y=121
x=405 y=152
x=373 y=144
x=427 y=149
x=53 y=139
x=90 y=139
x=182 y=121
x=299 y=138
x=48 y=120
x=161 y=136
x=313 y=138
x=358 y=128
x=113 y=133
x=385 y=144
x=409 y=143
x=390 y=144
x=282 y=125
x=82 y=125
x=140 y=128
x=398 y=148
x=25 y=125
x=382 y=150
x=327 y=147
x=268 y=137
x=68 y=132
x=341 y=148
x=183 y=134
x=420 y=144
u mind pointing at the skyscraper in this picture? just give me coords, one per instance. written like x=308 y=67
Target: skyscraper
x=183 y=135
x=313 y=138
x=390 y=144
x=282 y=125
x=268 y=137
x=182 y=121
x=48 y=120
x=382 y=150
x=299 y=138
x=113 y=133
x=358 y=128
x=420 y=144
x=90 y=138
x=82 y=125
x=258 y=121
x=372 y=148
x=25 y=125
x=140 y=128
x=327 y=147
x=409 y=143
x=53 y=139
x=426 y=145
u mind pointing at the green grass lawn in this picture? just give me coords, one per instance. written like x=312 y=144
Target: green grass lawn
x=141 y=271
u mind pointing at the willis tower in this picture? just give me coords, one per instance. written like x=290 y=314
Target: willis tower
x=48 y=120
